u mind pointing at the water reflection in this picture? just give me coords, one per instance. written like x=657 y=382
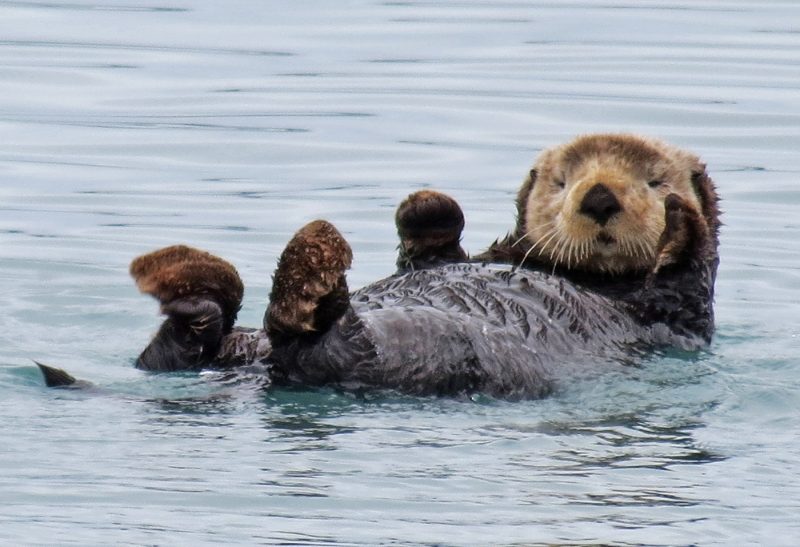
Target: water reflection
x=630 y=442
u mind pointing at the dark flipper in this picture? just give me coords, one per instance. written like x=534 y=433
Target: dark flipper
x=55 y=377
x=429 y=225
x=309 y=288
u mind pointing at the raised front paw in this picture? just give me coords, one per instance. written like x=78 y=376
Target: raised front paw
x=429 y=224
x=309 y=288
x=685 y=234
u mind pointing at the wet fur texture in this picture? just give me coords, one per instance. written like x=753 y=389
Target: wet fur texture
x=309 y=290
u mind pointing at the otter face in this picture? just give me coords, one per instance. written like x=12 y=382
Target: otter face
x=597 y=203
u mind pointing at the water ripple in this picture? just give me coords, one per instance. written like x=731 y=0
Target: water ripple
x=136 y=124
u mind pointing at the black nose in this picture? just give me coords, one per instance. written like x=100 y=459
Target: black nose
x=600 y=203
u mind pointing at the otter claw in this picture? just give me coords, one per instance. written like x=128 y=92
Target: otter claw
x=309 y=289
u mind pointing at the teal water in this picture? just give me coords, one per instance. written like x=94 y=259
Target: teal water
x=227 y=125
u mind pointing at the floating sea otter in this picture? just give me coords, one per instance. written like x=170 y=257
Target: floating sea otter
x=614 y=252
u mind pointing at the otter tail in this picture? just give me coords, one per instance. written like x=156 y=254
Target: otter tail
x=55 y=377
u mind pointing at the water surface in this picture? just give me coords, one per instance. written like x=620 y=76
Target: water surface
x=227 y=125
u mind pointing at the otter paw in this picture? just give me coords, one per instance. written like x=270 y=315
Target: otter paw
x=309 y=288
x=684 y=232
x=429 y=225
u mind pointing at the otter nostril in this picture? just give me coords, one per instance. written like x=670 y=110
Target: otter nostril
x=600 y=204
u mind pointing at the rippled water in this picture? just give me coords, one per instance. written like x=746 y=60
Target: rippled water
x=227 y=125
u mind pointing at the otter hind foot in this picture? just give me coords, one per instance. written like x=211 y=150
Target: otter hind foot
x=429 y=224
x=199 y=293
x=178 y=272
x=309 y=288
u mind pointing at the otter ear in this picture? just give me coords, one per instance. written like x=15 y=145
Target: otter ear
x=179 y=272
x=524 y=192
x=707 y=194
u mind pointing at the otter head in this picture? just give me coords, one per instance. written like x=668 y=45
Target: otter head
x=596 y=204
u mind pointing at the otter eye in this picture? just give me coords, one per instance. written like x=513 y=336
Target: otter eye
x=655 y=183
x=560 y=183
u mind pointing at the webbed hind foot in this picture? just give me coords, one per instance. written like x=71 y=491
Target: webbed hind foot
x=429 y=224
x=199 y=293
x=309 y=288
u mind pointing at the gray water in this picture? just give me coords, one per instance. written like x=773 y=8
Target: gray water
x=131 y=125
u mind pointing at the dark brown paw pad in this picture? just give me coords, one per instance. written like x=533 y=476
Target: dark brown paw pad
x=309 y=288
x=180 y=271
x=429 y=218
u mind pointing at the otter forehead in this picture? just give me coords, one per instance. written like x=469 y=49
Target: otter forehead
x=614 y=153
x=635 y=149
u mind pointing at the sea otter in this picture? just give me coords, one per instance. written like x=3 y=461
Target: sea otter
x=614 y=253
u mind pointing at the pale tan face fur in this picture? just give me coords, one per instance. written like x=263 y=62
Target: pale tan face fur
x=617 y=228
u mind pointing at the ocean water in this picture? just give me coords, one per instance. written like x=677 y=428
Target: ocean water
x=129 y=125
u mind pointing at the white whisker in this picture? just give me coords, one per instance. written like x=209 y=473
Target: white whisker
x=562 y=247
x=553 y=234
x=549 y=235
x=523 y=237
x=525 y=257
x=629 y=247
x=528 y=233
x=573 y=251
x=643 y=250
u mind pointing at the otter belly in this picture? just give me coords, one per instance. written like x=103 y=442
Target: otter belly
x=463 y=328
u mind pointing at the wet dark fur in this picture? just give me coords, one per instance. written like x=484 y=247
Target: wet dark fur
x=430 y=332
